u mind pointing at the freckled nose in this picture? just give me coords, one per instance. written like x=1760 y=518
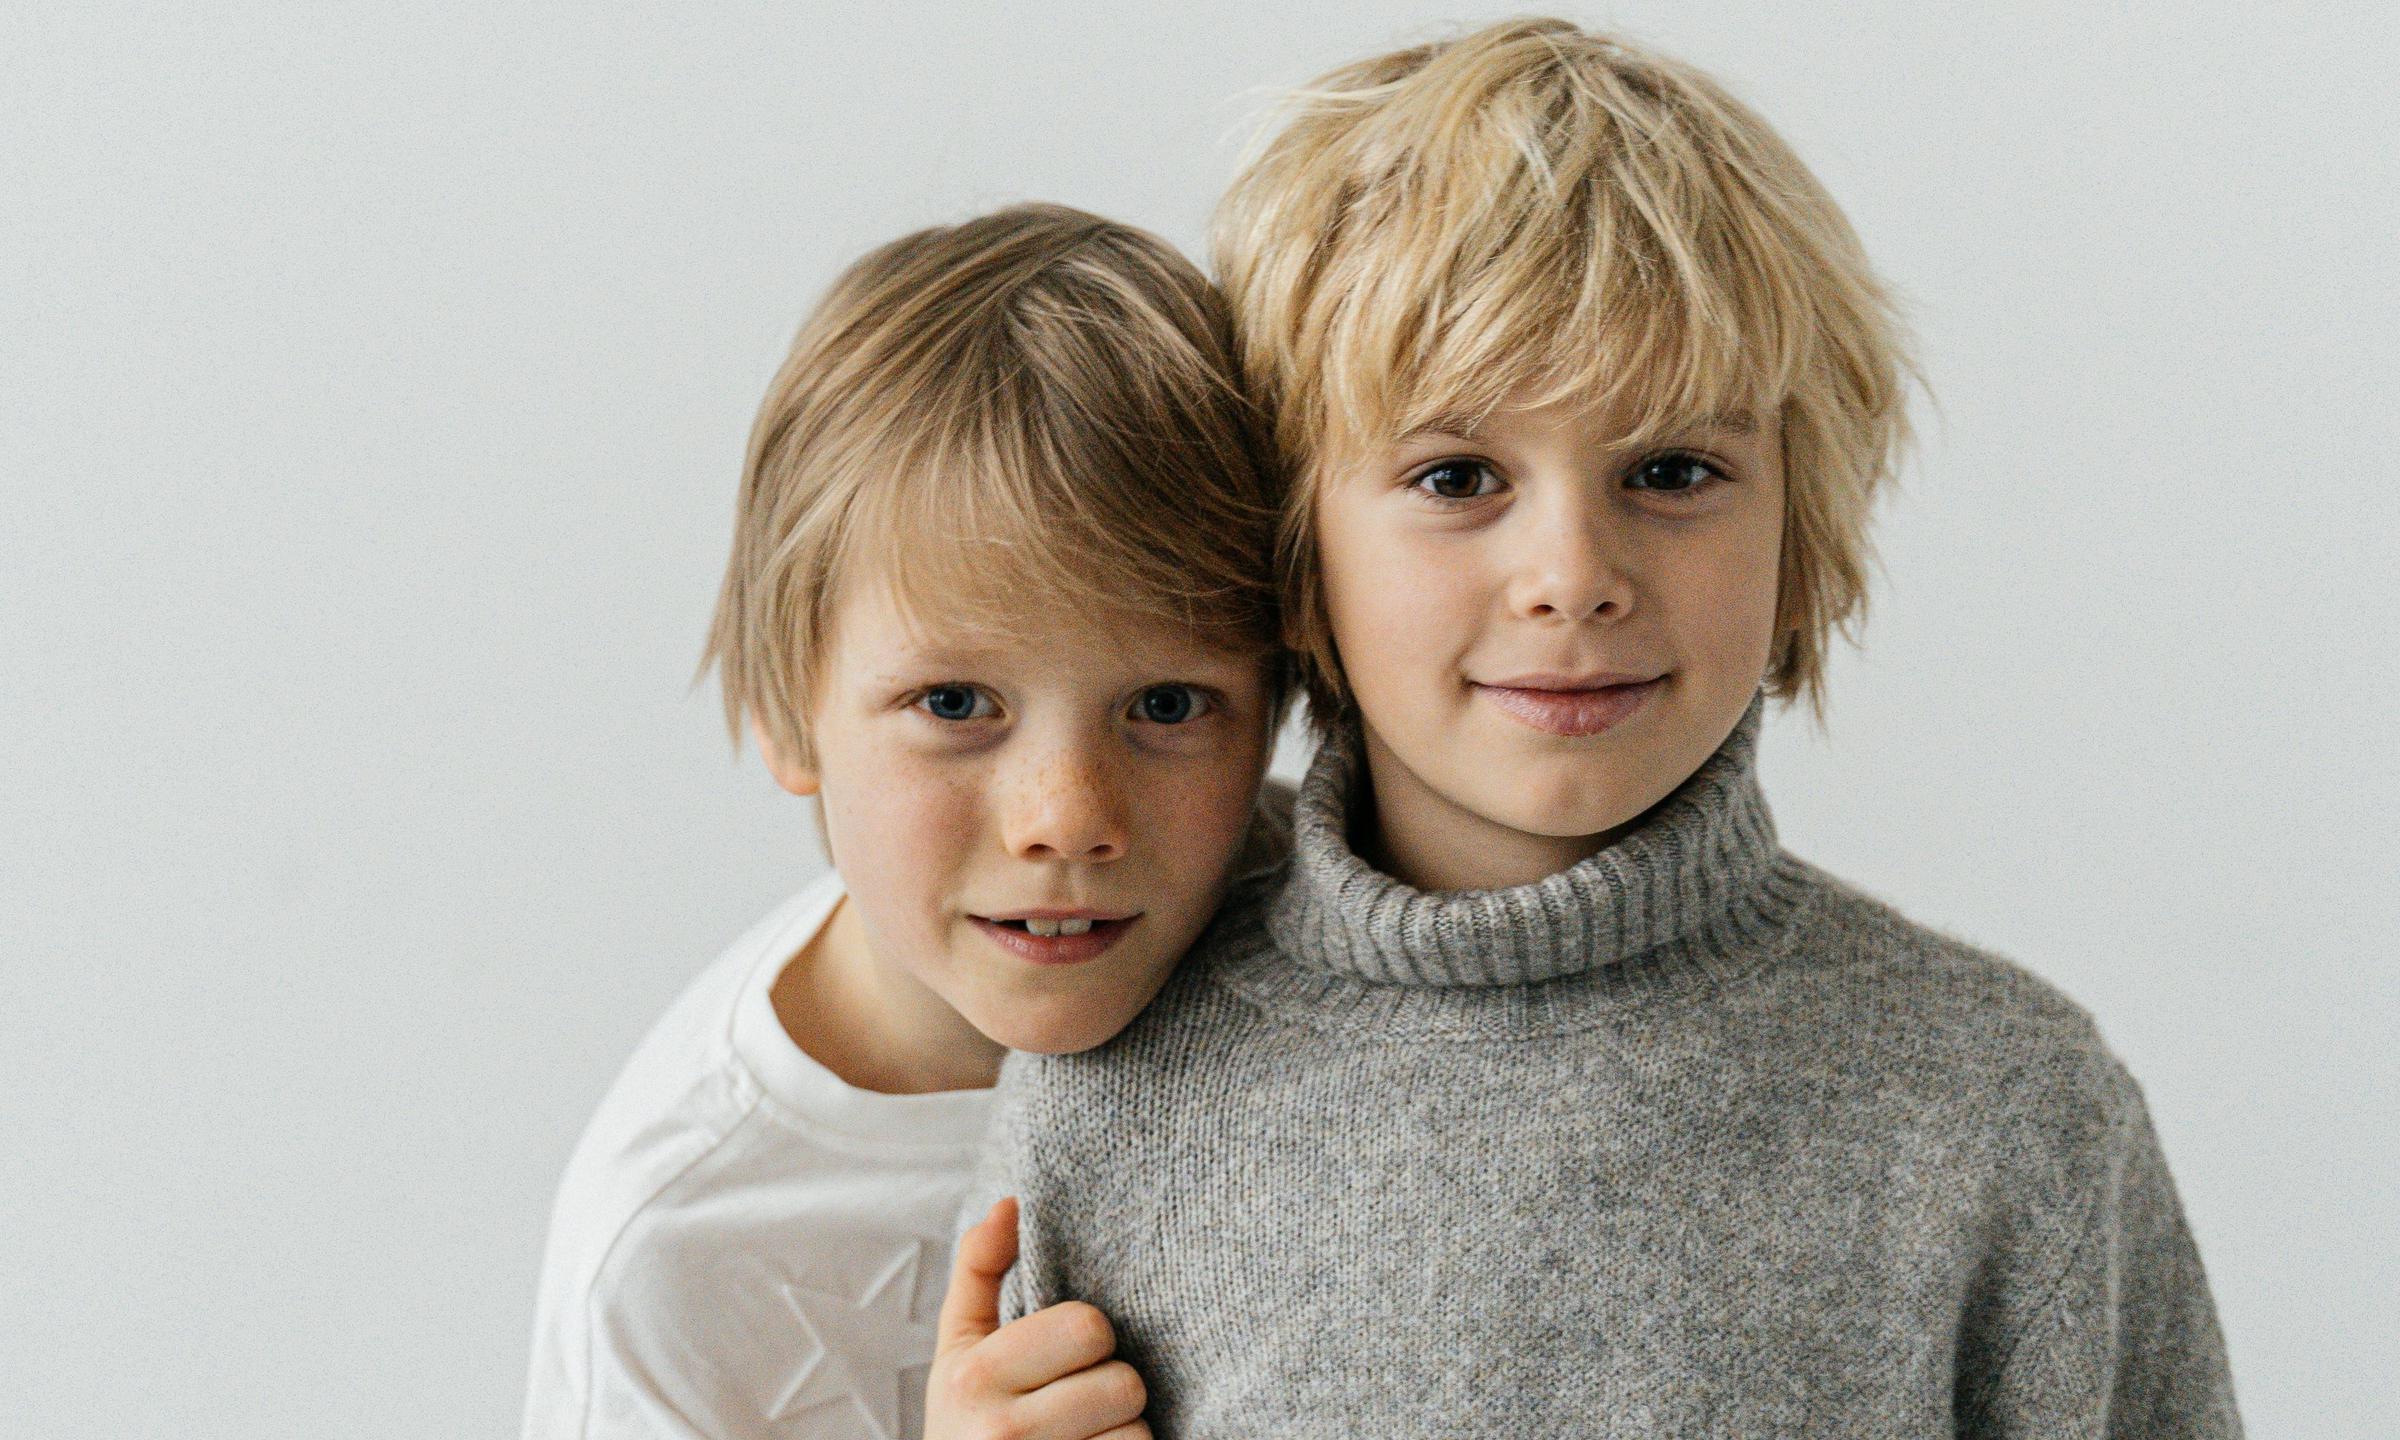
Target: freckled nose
x=1066 y=807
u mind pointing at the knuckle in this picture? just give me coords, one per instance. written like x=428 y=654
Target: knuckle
x=1126 y=1387
x=1085 y=1323
x=970 y=1375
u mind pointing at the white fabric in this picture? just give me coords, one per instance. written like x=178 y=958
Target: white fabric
x=743 y=1244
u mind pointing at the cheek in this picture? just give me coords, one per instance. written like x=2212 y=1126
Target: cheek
x=897 y=822
x=1725 y=604
x=1192 y=814
x=1387 y=596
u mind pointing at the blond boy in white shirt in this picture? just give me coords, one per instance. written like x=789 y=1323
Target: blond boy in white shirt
x=1000 y=599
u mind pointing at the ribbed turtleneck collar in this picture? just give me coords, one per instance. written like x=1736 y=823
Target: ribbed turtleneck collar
x=1697 y=862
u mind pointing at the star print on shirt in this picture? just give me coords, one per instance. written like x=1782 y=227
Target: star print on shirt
x=853 y=1346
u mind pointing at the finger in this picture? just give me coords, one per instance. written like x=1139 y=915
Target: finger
x=1089 y=1402
x=972 y=1308
x=1138 y=1430
x=1048 y=1345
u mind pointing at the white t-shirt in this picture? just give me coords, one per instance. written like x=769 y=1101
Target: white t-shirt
x=743 y=1244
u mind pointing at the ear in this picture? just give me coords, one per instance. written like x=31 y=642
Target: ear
x=792 y=776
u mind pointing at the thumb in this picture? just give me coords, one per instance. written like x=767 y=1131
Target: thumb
x=972 y=1308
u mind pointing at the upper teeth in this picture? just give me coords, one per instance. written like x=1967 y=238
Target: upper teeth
x=1058 y=927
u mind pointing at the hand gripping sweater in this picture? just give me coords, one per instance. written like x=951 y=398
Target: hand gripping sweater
x=1690 y=1139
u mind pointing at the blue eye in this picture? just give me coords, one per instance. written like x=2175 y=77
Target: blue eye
x=1456 y=480
x=1675 y=474
x=1171 y=704
x=953 y=702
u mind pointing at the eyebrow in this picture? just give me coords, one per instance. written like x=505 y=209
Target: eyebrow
x=955 y=659
x=910 y=661
x=1459 y=426
x=1463 y=427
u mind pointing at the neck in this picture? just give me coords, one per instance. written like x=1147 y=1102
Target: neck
x=874 y=1024
x=1701 y=865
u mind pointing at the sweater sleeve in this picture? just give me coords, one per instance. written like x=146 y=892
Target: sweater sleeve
x=2125 y=1344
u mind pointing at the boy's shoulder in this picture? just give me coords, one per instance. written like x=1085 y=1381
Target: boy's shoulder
x=1906 y=959
x=732 y=1200
x=682 y=1087
x=678 y=1097
x=1911 y=1003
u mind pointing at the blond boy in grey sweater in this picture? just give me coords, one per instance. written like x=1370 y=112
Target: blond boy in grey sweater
x=1543 y=1092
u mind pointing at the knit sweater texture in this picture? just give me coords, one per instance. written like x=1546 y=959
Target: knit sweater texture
x=1690 y=1139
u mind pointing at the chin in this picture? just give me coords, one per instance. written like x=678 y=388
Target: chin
x=1570 y=806
x=1060 y=1034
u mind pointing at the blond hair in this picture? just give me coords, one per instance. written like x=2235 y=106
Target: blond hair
x=1533 y=210
x=1033 y=412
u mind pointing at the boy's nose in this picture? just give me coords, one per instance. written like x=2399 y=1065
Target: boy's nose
x=1065 y=807
x=1566 y=568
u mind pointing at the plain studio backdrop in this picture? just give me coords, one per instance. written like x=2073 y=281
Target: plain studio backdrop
x=373 y=387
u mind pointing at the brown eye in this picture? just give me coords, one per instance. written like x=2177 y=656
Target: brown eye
x=1676 y=474
x=1171 y=704
x=1457 y=480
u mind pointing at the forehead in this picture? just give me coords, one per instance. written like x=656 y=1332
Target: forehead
x=1604 y=386
x=887 y=628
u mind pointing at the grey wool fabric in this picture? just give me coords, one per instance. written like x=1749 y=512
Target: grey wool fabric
x=1692 y=1139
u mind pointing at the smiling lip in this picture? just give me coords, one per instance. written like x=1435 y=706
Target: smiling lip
x=1571 y=704
x=1106 y=930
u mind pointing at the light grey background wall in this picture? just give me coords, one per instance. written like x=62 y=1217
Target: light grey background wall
x=373 y=381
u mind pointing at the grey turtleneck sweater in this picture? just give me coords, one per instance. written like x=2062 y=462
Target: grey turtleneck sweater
x=1690 y=1139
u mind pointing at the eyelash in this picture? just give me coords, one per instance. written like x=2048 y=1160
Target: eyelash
x=1207 y=702
x=1416 y=482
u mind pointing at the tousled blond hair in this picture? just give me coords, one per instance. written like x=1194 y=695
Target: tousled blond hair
x=1031 y=413
x=1534 y=210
